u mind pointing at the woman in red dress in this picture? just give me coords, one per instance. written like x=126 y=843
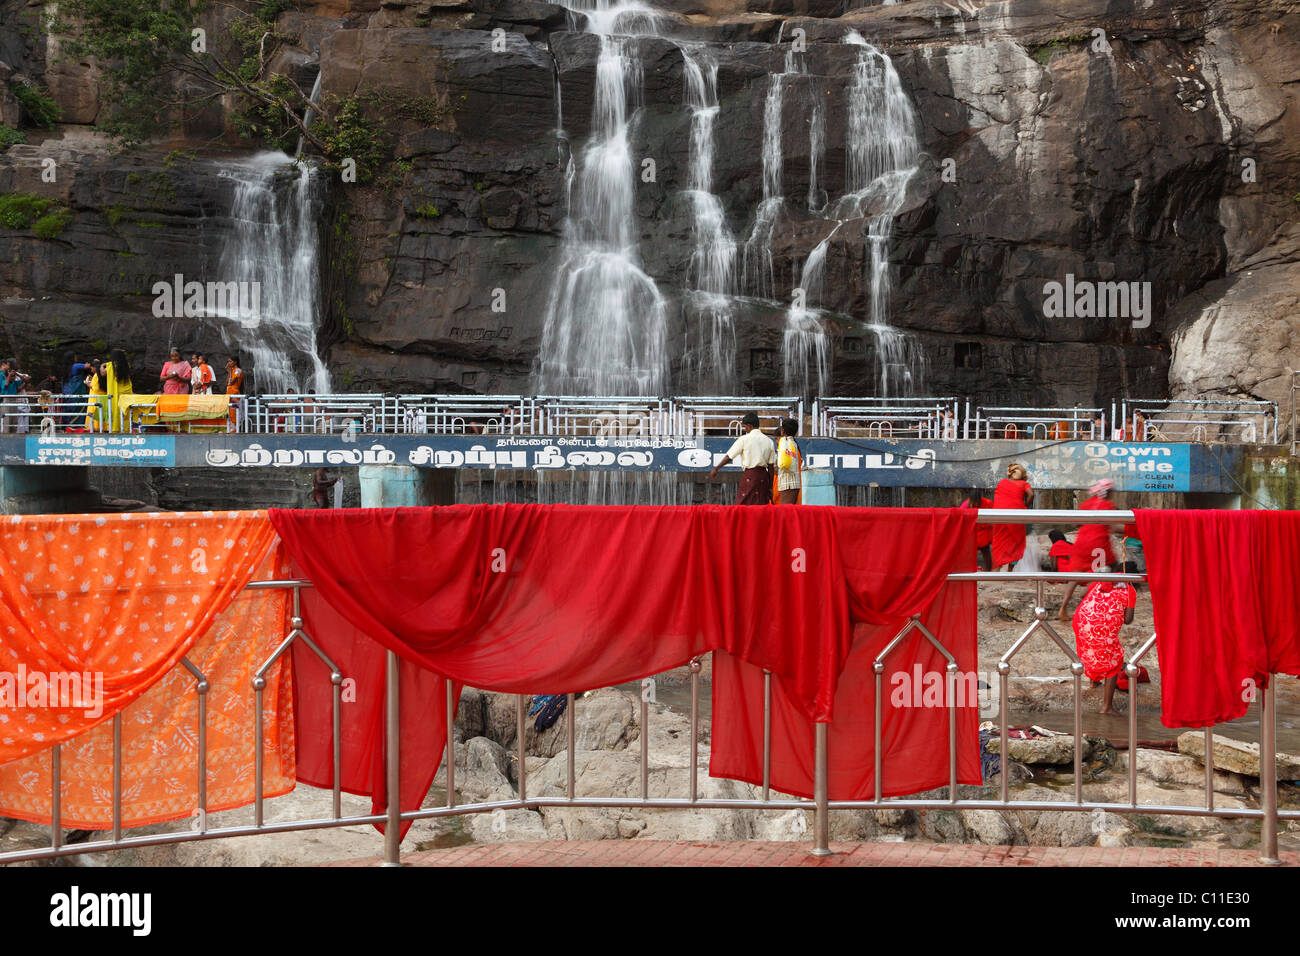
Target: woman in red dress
x=1105 y=609
x=1062 y=553
x=1092 y=550
x=1012 y=491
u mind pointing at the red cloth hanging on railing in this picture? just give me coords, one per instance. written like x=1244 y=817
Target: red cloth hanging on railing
x=1223 y=585
x=887 y=585
x=528 y=598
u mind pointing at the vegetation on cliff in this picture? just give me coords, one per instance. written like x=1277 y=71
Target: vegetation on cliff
x=161 y=58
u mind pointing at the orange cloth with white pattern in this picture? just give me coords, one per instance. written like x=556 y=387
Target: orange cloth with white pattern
x=160 y=731
x=121 y=598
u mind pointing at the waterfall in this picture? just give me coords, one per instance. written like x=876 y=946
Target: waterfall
x=274 y=242
x=713 y=258
x=759 y=277
x=310 y=113
x=606 y=322
x=881 y=156
x=805 y=346
x=816 y=151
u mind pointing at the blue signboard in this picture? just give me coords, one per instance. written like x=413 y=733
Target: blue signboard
x=910 y=463
x=145 y=450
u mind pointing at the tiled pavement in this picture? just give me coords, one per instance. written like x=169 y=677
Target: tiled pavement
x=666 y=853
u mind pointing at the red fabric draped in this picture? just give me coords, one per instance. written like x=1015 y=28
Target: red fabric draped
x=887 y=584
x=1223 y=585
x=422 y=702
x=557 y=599
x=526 y=598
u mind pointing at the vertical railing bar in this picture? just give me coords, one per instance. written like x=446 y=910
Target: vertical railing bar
x=523 y=750
x=695 y=728
x=1004 y=759
x=645 y=744
x=1209 y=768
x=450 y=758
x=336 y=743
x=393 y=760
x=1132 y=671
x=821 y=815
x=952 y=732
x=259 y=684
x=1077 y=669
x=56 y=796
x=117 y=776
x=879 y=668
x=573 y=738
x=767 y=735
x=1268 y=771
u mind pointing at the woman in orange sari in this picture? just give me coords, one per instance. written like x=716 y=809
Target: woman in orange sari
x=234 y=387
x=1012 y=491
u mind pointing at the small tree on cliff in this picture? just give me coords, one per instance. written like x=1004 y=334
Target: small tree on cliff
x=162 y=56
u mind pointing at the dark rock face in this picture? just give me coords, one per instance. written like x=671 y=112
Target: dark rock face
x=1060 y=138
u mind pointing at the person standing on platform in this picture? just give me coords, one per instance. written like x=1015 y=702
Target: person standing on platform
x=1092 y=550
x=175 y=376
x=983 y=532
x=201 y=376
x=1012 y=492
x=756 y=455
x=117 y=375
x=789 y=465
x=234 y=388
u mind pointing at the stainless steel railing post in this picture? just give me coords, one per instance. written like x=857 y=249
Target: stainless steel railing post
x=451 y=745
x=821 y=815
x=392 y=757
x=1267 y=772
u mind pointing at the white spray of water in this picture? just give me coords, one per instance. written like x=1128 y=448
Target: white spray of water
x=275 y=242
x=882 y=154
x=711 y=276
x=606 y=321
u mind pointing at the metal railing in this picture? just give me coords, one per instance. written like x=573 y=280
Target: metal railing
x=1036 y=424
x=1268 y=814
x=683 y=416
x=935 y=418
x=1194 y=420
x=47 y=413
x=721 y=415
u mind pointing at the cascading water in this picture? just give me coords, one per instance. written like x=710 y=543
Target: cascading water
x=759 y=277
x=805 y=346
x=275 y=243
x=605 y=329
x=882 y=155
x=711 y=275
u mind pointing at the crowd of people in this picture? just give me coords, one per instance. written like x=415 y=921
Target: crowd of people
x=86 y=397
x=1105 y=606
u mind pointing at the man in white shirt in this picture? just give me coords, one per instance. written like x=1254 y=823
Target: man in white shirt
x=756 y=454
